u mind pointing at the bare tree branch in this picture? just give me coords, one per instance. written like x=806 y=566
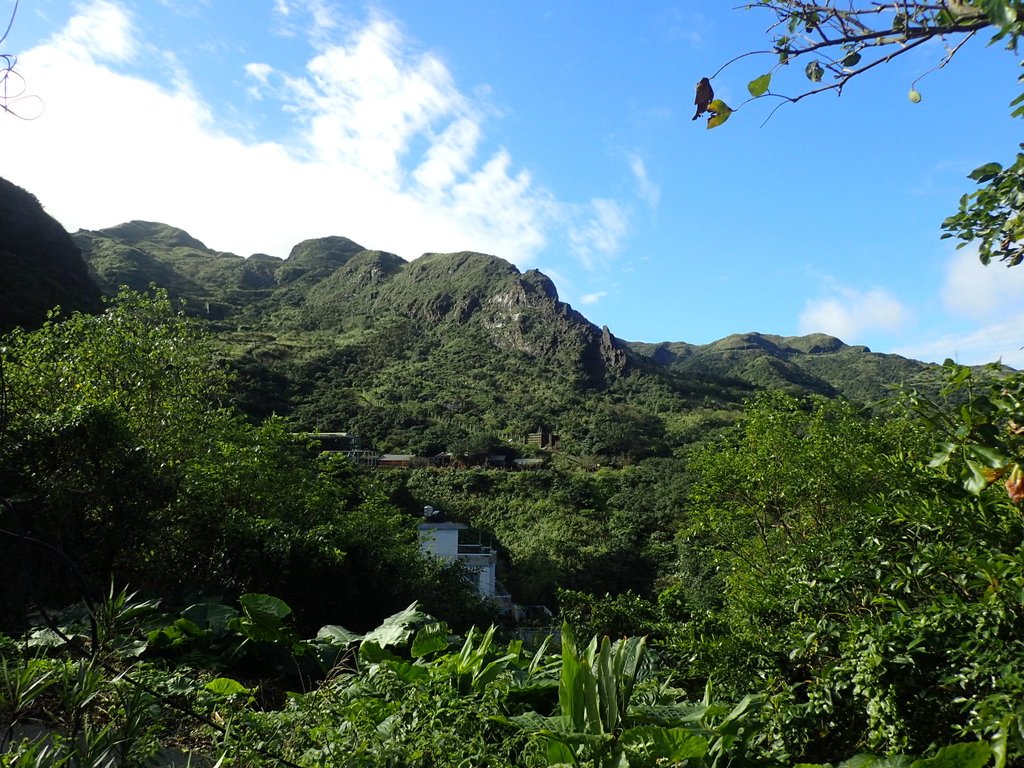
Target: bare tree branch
x=14 y=96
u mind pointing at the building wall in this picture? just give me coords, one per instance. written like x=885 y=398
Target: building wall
x=442 y=540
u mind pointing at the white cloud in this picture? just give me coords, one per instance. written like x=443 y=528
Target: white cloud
x=450 y=156
x=260 y=71
x=592 y=298
x=597 y=230
x=324 y=19
x=364 y=102
x=321 y=18
x=186 y=7
x=1000 y=340
x=981 y=319
x=101 y=31
x=649 y=192
x=981 y=292
x=388 y=152
x=849 y=313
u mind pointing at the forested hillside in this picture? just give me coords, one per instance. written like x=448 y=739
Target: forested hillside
x=820 y=565
x=461 y=352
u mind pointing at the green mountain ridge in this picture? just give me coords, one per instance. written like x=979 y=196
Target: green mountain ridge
x=333 y=284
x=345 y=286
x=817 y=362
x=445 y=348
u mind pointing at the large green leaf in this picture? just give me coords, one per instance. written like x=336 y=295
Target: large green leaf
x=263 y=619
x=942 y=455
x=226 y=686
x=214 y=617
x=372 y=652
x=720 y=113
x=1000 y=12
x=430 y=638
x=533 y=721
x=970 y=755
x=559 y=754
x=667 y=714
x=397 y=629
x=975 y=480
x=985 y=172
x=264 y=608
x=990 y=456
x=407 y=671
x=571 y=683
x=335 y=634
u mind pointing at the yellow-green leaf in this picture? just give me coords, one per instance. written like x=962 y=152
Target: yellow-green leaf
x=720 y=112
x=226 y=686
x=759 y=85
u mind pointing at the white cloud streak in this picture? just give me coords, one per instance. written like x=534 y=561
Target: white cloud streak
x=649 y=192
x=596 y=231
x=989 y=297
x=103 y=31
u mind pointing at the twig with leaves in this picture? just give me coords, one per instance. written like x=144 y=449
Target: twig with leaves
x=841 y=41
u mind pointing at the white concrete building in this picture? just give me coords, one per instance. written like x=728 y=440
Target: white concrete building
x=452 y=541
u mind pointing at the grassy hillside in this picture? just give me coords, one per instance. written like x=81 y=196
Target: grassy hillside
x=816 y=363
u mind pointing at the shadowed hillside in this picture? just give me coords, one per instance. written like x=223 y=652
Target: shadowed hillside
x=41 y=266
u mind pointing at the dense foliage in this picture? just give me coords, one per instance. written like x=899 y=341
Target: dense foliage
x=846 y=580
x=121 y=457
x=159 y=687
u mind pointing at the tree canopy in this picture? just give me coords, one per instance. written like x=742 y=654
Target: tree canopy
x=837 y=41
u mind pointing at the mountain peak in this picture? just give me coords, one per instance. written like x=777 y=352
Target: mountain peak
x=819 y=343
x=138 y=231
x=318 y=257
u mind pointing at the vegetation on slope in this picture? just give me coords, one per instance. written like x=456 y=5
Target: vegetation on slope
x=457 y=349
x=842 y=590
x=41 y=266
x=846 y=579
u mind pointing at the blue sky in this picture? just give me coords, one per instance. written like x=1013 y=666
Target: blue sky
x=554 y=134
